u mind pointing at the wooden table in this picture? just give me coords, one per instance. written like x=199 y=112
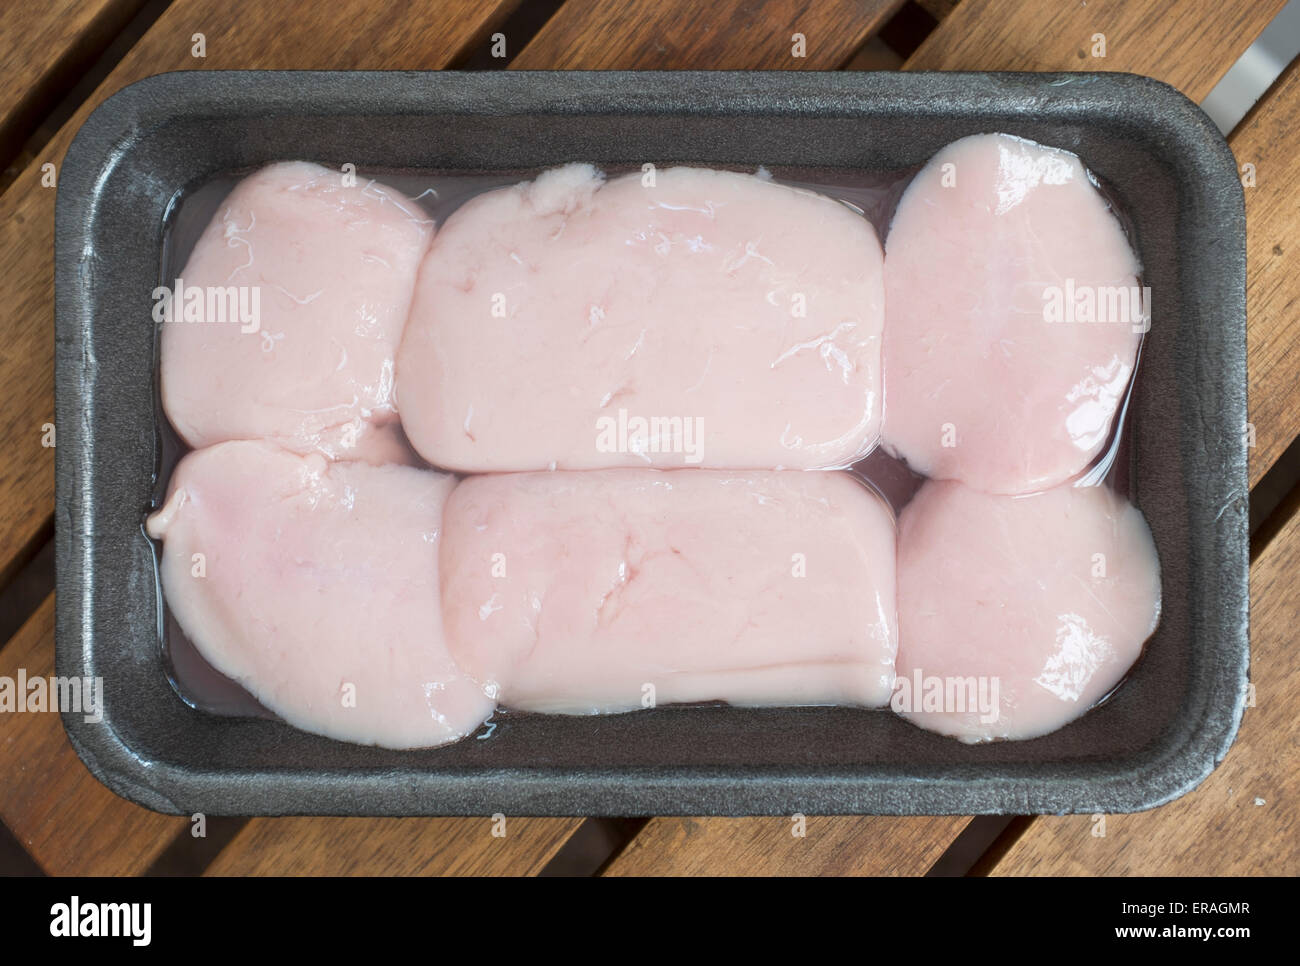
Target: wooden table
x=65 y=57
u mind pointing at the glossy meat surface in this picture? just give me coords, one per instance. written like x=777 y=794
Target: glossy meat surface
x=315 y=586
x=599 y=591
x=329 y=269
x=1040 y=603
x=997 y=372
x=741 y=319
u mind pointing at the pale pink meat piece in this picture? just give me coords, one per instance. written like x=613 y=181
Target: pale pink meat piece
x=1017 y=614
x=333 y=266
x=555 y=311
x=607 y=591
x=995 y=236
x=317 y=590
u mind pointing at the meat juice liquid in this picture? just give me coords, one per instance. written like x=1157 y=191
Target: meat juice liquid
x=872 y=194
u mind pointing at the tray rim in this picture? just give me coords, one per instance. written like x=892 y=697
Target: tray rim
x=174 y=787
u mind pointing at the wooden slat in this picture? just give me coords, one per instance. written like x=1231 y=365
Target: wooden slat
x=41 y=46
x=938 y=9
x=1189 y=44
x=291 y=34
x=721 y=35
x=1269 y=139
x=768 y=846
x=63 y=816
x=395 y=846
x=1245 y=818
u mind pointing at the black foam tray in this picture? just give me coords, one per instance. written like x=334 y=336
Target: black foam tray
x=1161 y=158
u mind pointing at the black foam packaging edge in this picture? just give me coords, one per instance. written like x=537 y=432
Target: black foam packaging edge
x=1160 y=157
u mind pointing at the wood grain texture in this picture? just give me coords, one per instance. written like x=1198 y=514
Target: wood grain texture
x=768 y=846
x=393 y=846
x=63 y=816
x=1189 y=44
x=1245 y=818
x=938 y=9
x=291 y=34
x=1267 y=139
x=686 y=34
x=43 y=46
